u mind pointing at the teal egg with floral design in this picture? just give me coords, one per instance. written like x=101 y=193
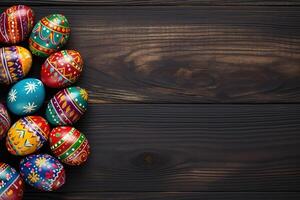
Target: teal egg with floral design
x=26 y=96
x=49 y=35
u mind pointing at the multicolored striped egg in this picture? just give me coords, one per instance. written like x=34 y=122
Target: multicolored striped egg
x=27 y=135
x=62 y=69
x=4 y=121
x=43 y=172
x=15 y=63
x=26 y=96
x=16 y=23
x=49 y=35
x=11 y=183
x=69 y=145
x=67 y=106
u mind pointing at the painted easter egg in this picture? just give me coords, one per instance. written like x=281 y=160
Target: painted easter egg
x=16 y=24
x=26 y=96
x=67 y=106
x=62 y=69
x=69 y=145
x=11 y=183
x=4 y=121
x=49 y=35
x=15 y=63
x=27 y=135
x=43 y=172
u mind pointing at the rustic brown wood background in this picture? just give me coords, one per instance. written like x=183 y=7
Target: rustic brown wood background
x=188 y=99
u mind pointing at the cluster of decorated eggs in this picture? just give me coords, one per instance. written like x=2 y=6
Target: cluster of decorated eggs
x=26 y=96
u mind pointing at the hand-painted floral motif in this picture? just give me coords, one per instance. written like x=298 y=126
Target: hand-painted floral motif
x=67 y=106
x=49 y=35
x=16 y=23
x=27 y=135
x=15 y=63
x=62 y=69
x=11 y=183
x=26 y=96
x=69 y=145
x=4 y=121
x=43 y=172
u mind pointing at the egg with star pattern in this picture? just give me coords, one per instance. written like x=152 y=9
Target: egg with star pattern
x=43 y=172
x=27 y=135
x=67 y=106
x=26 y=96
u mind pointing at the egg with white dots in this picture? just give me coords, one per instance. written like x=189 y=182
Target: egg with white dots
x=43 y=172
x=49 y=35
x=62 y=69
x=67 y=106
x=26 y=96
x=69 y=145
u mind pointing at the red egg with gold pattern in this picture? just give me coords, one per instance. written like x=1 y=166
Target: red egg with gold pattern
x=62 y=69
x=69 y=145
x=16 y=23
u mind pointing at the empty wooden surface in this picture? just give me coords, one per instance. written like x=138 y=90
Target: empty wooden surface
x=154 y=2
x=169 y=195
x=215 y=66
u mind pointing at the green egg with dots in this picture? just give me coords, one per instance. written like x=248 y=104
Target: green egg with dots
x=67 y=106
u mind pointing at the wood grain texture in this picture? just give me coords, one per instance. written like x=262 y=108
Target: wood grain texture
x=187 y=54
x=165 y=196
x=153 y=2
x=187 y=148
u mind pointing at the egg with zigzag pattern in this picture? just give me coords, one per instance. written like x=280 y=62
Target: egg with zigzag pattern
x=27 y=135
x=62 y=69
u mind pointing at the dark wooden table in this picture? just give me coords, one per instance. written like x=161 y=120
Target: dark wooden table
x=188 y=99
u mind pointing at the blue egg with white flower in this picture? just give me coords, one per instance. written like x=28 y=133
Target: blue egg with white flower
x=26 y=96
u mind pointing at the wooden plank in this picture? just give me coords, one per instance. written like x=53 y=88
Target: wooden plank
x=153 y=2
x=186 y=54
x=186 y=148
x=165 y=196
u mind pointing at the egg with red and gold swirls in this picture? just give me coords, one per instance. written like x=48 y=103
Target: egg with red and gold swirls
x=43 y=172
x=49 y=35
x=62 y=69
x=15 y=63
x=16 y=23
x=67 y=106
x=69 y=145
x=11 y=183
x=4 y=121
x=27 y=135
